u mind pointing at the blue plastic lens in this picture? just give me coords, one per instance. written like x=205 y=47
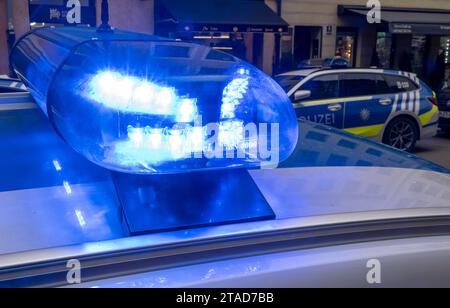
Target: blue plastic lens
x=132 y=95
x=153 y=106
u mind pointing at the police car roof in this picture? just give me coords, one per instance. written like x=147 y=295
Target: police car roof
x=306 y=72
x=7 y=82
x=7 y=78
x=303 y=72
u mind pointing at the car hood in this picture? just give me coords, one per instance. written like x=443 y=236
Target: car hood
x=46 y=188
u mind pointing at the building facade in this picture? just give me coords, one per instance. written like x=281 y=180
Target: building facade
x=253 y=30
x=409 y=35
x=133 y=15
x=248 y=29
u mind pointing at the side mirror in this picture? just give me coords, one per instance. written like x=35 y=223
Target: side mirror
x=302 y=94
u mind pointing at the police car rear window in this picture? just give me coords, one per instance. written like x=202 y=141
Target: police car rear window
x=362 y=84
x=395 y=84
x=358 y=84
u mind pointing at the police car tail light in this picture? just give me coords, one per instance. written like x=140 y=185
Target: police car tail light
x=144 y=105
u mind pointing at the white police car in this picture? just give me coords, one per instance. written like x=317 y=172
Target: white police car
x=393 y=107
x=10 y=85
x=342 y=206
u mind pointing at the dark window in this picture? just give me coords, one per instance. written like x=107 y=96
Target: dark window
x=382 y=86
x=287 y=82
x=398 y=84
x=10 y=90
x=323 y=87
x=358 y=84
x=165 y=51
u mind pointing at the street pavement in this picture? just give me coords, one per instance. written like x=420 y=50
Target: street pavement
x=436 y=149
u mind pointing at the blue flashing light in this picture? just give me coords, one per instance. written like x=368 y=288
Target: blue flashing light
x=232 y=94
x=133 y=95
x=132 y=103
x=232 y=134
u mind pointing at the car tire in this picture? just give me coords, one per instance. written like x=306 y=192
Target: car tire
x=401 y=133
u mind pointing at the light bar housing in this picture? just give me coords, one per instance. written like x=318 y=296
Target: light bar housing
x=141 y=104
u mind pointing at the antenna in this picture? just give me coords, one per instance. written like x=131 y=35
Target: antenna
x=105 y=27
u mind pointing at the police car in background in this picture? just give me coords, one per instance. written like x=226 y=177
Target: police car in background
x=392 y=107
x=10 y=85
x=335 y=62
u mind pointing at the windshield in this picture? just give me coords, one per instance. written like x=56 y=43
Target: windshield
x=287 y=82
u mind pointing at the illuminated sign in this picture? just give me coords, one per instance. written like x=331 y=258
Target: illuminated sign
x=427 y=29
x=233 y=28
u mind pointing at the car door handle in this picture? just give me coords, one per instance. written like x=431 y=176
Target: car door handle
x=385 y=101
x=335 y=107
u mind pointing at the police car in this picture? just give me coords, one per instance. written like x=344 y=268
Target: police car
x=10 y=85
x=392 y=107
x=197 y=222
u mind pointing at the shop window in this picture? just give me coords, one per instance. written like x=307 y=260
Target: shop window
x=307 y=43
x=287 y=56
x=382 y=57
x=445 y=45
x=418 y=47
x=346 y=44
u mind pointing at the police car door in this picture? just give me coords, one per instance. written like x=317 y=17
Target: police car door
x=366 y=111
x=319 y=101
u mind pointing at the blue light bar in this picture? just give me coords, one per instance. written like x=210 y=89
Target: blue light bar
x=132 y=95
x=141 y=104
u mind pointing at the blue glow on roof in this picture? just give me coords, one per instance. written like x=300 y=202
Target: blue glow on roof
x=57 y=165
x=80 y=218
x=67 y=187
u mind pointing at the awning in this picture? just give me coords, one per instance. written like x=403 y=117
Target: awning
x=407 y=21
x=219 y=16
